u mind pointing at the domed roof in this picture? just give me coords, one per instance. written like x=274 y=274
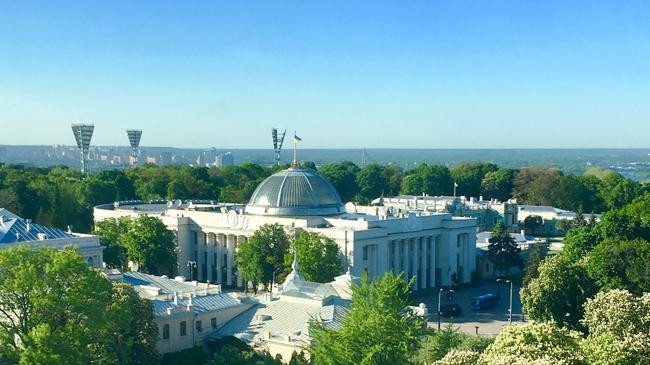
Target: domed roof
x=295 y=192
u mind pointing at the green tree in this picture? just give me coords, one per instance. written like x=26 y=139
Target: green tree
x=372 y=183
x=559 y=292
x=343 y=177
x=503 y=251
x=536 y=254
x=436 y=345
x=150 y=245
x=499 y=184
x=533 y=223
x=177 y=190
x=428 y=179
x=319 y=257
x=379 y=311
x=394 y=176
x=110 y=232
x=579 y=241
x=9 y=200
x=526 y=344
x=308 y=165
x=56 y=310
x=262 y=254
x=130 y=333
x=469 y=177
x=620 y=264
x=618 y=191
x=536 y=186
x=460 y=357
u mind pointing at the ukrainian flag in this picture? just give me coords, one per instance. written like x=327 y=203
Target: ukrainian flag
x=296 y=139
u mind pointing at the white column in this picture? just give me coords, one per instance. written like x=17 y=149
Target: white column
x=210 y=261
x=434 y=248
x=231 y=253
x=240 y=280
x=416 y=262
x=423 y=269
x=221 y=248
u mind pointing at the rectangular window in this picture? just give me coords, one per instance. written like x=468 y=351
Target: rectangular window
x=365 y=252
x=195 y=237
x=199 y=326
x=213 y=323
x=205 y=239
x=166 y=332
x=183 y=328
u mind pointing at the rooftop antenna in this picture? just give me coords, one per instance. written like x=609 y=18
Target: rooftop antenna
x=82 y=134
x=134 y=140
x=278 y=140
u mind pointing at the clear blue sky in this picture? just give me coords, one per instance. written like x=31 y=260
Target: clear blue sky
x=424 y=74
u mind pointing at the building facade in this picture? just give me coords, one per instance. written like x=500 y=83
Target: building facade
x=186 y=313
x=486 y=212
x=437 y=249
x=15 y=231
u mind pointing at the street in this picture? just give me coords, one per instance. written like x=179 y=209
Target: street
x=490 y=322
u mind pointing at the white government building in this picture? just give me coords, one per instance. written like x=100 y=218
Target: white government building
x=437 y=248
x=15 y=231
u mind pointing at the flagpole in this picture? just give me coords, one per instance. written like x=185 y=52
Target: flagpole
x=294 y=164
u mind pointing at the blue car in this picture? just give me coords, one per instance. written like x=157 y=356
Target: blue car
x=484 y=301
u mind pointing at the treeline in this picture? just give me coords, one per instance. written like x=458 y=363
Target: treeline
x=59 y=196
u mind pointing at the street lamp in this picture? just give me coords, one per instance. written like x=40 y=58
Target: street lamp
x=439 y=300
x=509 y=310
x=192 y=265
x=499 y=288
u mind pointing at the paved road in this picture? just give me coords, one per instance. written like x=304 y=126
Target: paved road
x=490 y=322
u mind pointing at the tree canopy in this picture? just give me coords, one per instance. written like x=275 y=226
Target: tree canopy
x=503 y=251
x=56 y=310
x=379 y=312
x=262 y=254
x=319 y=257
x=559 y=292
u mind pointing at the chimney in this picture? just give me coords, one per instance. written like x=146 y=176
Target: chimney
x=175 y=298
x=2 y=220
x=523 y=232
x=190 y=302
x=69 y=229
x=480 y=198
x=28 y=223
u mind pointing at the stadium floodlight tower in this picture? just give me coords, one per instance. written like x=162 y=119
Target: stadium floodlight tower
x=82 y=134
x=278 y=139
x=134 y=140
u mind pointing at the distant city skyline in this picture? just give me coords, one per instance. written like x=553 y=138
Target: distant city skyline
x=412 y=74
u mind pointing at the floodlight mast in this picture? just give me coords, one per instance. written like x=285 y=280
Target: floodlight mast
x=83 y=133
x=278 y=140
x=134 y=140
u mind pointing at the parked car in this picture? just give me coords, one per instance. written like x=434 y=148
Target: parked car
x=484 y=301
x=451 y=310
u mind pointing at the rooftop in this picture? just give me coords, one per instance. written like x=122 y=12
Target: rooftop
x=295 y=192
x=171 y=296
x=14 y=229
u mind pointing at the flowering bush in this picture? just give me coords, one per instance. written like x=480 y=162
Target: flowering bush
x=619 y=328
x=456 y=357
x=535 y=343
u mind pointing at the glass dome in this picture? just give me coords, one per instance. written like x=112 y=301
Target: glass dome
x=295 y=192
